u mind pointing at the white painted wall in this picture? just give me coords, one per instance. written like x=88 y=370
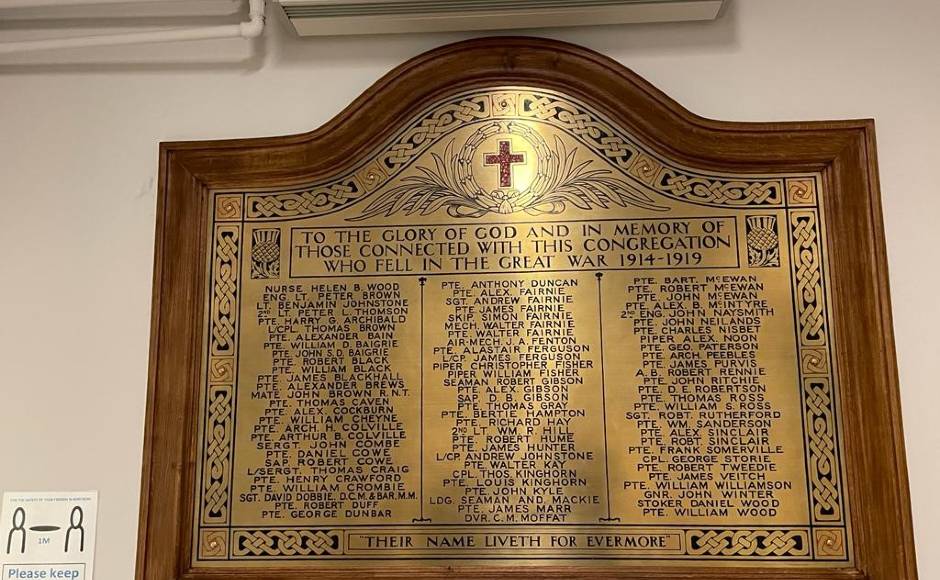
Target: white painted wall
x=78 y=158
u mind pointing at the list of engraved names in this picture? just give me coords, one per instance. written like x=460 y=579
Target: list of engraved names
x=526 y=377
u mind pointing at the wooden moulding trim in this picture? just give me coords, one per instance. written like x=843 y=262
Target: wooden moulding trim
x=843 y=151
x=573 y=573
x=604 y=83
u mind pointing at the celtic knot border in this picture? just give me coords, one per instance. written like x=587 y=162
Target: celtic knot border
x=303 y=542
x=323 y=543
x=645 y=168
x=792 y=543
x=218 y=434
x=819 y=403
x=819 y=397
x=814 y=341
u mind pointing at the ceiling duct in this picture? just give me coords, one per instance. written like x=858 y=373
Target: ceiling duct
x=349 y=17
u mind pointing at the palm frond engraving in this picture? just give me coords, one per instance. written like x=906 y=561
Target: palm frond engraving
x=558 y=181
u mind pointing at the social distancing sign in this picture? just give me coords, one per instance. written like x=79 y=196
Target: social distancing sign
x=48 y=535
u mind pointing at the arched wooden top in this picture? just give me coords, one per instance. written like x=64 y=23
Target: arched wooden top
x=838 y=157
x=602 y=83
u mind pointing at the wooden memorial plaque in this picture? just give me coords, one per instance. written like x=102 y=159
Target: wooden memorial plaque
x=515 y=312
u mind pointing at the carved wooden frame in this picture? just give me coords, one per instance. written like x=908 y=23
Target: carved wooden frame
x=842 y=152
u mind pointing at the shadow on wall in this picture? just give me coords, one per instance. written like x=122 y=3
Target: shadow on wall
x=281 y=47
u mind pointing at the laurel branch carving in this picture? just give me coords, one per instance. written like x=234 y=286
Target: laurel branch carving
x=637 y=165
x=451 y=185
x=634 y=175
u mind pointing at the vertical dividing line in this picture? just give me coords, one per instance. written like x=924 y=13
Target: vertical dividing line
x=600 y=321
x=422 y=281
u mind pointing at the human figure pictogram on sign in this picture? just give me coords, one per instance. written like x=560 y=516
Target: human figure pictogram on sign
x=75 y=525
x=19 y=525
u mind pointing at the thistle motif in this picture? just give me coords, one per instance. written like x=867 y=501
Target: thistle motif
x=266 y=254
x=763 y=243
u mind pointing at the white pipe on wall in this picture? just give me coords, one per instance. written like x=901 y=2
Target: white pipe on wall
x=252 y=28
x=57 y=3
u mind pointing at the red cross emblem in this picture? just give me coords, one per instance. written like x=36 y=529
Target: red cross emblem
x=505 y=159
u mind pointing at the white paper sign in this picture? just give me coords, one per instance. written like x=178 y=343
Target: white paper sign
x=48 y=535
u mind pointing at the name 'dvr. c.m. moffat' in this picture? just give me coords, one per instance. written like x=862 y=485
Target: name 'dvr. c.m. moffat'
x=522 y=323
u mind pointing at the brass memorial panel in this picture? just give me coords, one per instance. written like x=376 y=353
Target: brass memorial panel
x=516 y=333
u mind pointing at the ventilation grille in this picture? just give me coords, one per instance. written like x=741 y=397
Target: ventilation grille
x=331 y=9
x=339 y=17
